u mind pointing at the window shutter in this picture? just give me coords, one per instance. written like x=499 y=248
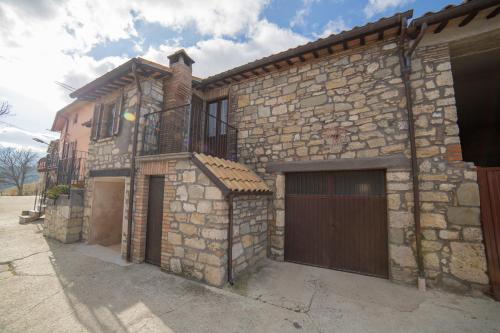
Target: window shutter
x=96 y=121
x=118 y=115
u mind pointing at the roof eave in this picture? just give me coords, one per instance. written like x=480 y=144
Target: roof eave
x=452 y=13
x=124 y=69
x=368 y=29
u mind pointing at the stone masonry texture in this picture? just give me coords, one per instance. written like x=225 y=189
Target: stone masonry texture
x=64 y=217
x=352 y=105
x=195 y=222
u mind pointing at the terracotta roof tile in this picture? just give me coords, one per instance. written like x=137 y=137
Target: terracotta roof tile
x=234 y=176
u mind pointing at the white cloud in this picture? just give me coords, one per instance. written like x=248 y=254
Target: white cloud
x=22 y=139
x=47 y=41
x=333 y=27
x=374 y=7
x=301 y=14
x=215 y=55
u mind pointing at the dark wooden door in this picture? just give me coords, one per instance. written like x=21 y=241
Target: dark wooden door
x=337 y=220
x=155 y=220
x=489 y=189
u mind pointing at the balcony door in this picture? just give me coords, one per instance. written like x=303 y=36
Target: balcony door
x=216 y=128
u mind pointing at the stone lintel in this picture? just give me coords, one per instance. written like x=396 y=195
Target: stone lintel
x=382 y=162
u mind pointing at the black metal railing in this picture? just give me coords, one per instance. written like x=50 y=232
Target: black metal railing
x=71 y=170
x=188 y=129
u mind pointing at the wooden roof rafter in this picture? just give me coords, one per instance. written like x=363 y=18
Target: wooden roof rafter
x=493 y=13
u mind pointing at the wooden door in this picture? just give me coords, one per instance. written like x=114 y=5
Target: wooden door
x=155 y=220
x=337 y=220
x=489 y=189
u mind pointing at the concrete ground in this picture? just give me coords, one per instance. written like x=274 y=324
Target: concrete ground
x=46 y=286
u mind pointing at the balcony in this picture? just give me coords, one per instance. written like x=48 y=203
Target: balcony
x=188 y=129
x=71 y=170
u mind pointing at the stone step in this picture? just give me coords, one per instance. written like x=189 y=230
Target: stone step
x=23 y=219
x=25 y=212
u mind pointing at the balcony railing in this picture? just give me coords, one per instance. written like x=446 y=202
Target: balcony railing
x=188 y=129
x=71 y=170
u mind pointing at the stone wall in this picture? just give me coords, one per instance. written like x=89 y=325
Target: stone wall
x=454 y=254
x=115 y=152
x=250 y=217
x=195 y=220
x=352 y=105
x=345 y=106
x=64 y=217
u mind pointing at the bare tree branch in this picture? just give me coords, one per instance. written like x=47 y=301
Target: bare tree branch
x=5 y=108
x=14 y=165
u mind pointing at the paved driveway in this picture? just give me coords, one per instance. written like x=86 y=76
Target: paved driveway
x=49 y=287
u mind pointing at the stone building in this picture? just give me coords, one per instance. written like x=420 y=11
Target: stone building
x=312 y=155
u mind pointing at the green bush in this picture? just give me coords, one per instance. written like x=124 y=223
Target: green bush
x=56 y=191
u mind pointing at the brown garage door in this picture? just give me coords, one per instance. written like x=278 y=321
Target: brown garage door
x=155 y=220
x=337 y=220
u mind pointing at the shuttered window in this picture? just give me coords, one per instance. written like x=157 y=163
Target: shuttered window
x=106 y=121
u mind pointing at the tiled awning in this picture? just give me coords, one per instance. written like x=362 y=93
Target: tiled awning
x=231 y=177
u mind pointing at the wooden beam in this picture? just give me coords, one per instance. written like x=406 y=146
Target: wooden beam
x=227 y=81
x=441 y=26
x=244 y=76
x=219 y=83
x=494 y=13
x=380 y=35
x=254 y=72
x=467 y=19
x=301 y=57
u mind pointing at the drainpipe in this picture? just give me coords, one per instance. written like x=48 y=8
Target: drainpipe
x=132 y=162
x=405 y=63
x=230 y=198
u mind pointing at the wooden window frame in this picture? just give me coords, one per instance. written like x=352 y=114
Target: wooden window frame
x=217 y=116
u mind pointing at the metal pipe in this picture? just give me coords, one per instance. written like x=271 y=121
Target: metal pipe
x=230 y=240
x=405 y=63
x=132 y=162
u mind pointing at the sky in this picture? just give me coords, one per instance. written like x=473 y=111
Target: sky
x=74 y=41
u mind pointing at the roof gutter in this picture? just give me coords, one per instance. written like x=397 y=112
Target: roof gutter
x=405 y=63
x=132 y=162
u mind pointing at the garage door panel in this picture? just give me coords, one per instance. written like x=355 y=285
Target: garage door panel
x=343 y=227
x=308 y=237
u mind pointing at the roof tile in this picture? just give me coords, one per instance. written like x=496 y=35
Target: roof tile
x=236 y=177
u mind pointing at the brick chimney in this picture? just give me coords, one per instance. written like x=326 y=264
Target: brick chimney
x=178 y=87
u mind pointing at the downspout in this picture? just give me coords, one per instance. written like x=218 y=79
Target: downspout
x=230 y=198
x=405 y=63
x=132 y=162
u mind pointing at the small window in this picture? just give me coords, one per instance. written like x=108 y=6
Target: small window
x=75 y=119
x=108 y=118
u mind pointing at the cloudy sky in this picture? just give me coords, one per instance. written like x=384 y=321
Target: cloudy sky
x=73 y=41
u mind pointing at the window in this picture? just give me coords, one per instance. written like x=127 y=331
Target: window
x=217 y=118
x=108 y=118
x=75 y=119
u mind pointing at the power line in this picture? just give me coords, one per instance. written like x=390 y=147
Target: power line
x=65 y=86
